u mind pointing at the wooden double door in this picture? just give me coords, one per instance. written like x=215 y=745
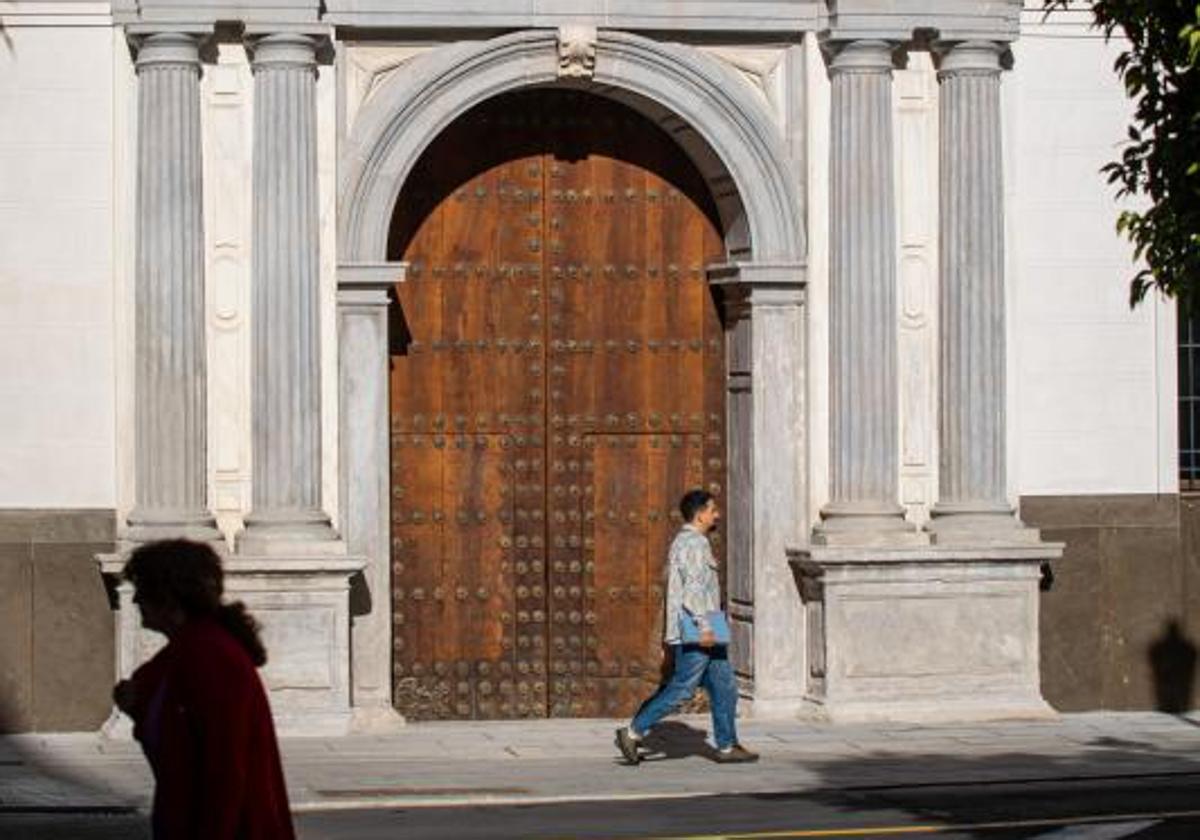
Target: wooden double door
x=557 y=382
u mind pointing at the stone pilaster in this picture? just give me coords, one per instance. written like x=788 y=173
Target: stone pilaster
x=170 y=401
x=285 y=374
x=364 y=299
x=765 y=346
x=864 y=448
x=972 y=504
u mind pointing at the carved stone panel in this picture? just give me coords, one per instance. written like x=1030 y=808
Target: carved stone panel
x=916 y=129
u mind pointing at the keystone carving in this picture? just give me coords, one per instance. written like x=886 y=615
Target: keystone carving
x=576 y=52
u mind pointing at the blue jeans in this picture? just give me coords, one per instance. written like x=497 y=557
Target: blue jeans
x=695 y=666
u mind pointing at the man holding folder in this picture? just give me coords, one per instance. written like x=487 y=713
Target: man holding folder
x=698 y=634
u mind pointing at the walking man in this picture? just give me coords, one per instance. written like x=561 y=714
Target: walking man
x=693 y=594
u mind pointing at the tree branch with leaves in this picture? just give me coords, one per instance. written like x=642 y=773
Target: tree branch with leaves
x=1159 y=166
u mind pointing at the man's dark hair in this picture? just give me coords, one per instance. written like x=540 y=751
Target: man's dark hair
x=693 y=502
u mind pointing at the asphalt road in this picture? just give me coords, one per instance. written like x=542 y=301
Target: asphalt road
x=1147 y=808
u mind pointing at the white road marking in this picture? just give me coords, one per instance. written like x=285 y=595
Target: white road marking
x=1106 y=831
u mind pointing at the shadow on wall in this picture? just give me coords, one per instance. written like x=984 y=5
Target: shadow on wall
x=1173 y=661
x=9 y=722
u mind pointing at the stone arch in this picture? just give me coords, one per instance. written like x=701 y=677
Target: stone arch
x=709 y=111
x=721 y=124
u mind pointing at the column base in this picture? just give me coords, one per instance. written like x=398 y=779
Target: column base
x=306 y=533
x=866 y=524
x=118 y=727
x=145 y=526
x=303 y=605
x=978 y=524
x=375 y=720
x=772 y=708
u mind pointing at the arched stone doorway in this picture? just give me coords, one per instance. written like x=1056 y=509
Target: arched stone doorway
x=736 y=148
x=557 y=383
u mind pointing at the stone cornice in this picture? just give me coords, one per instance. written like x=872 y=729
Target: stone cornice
x=757 y=16
x=904 y=20
x=895 y=20
x=166 y=13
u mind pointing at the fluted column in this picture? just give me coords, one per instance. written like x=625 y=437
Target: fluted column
x=285 y=369
x=864 y=456
x=972 y=481
x=170 y=425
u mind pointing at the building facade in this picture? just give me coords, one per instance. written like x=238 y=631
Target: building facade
x=426 y=317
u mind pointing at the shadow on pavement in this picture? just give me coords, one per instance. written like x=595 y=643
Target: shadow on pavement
x=674 y=739
x=34 y=784
x=1106 y=779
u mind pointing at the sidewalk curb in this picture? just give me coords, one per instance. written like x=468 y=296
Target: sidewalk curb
x=425 y=802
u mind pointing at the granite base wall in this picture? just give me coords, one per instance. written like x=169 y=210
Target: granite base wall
x=1120 y=618
x=56 y=622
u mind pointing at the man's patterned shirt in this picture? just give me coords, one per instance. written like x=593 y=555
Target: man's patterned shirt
x=692 y=582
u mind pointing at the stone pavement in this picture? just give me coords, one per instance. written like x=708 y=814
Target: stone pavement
x=444 y=764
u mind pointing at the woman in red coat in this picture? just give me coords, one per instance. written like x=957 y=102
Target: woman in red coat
x=199 y=708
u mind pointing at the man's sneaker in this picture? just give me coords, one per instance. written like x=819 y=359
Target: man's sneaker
x=628 y=745
x=737 y=754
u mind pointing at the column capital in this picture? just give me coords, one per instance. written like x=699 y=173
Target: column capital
x=177 y=47
x=302 y=48
x=368 y=284
x=978 y=58
x=863 y=55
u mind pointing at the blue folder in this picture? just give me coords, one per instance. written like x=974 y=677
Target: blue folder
x=689 y=631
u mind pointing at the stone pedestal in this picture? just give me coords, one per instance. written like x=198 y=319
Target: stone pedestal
x=303 y=606
x=364 y=297
x=764 y=322
x=863 y=395
x=170 y=441
x=923 y=633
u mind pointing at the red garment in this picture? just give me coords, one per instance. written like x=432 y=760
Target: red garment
x=204 y=722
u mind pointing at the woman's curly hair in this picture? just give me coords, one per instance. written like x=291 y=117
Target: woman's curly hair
x=189 y=574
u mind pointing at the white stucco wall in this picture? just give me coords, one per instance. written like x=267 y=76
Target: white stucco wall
x=56 y=257
x=1093 y=382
